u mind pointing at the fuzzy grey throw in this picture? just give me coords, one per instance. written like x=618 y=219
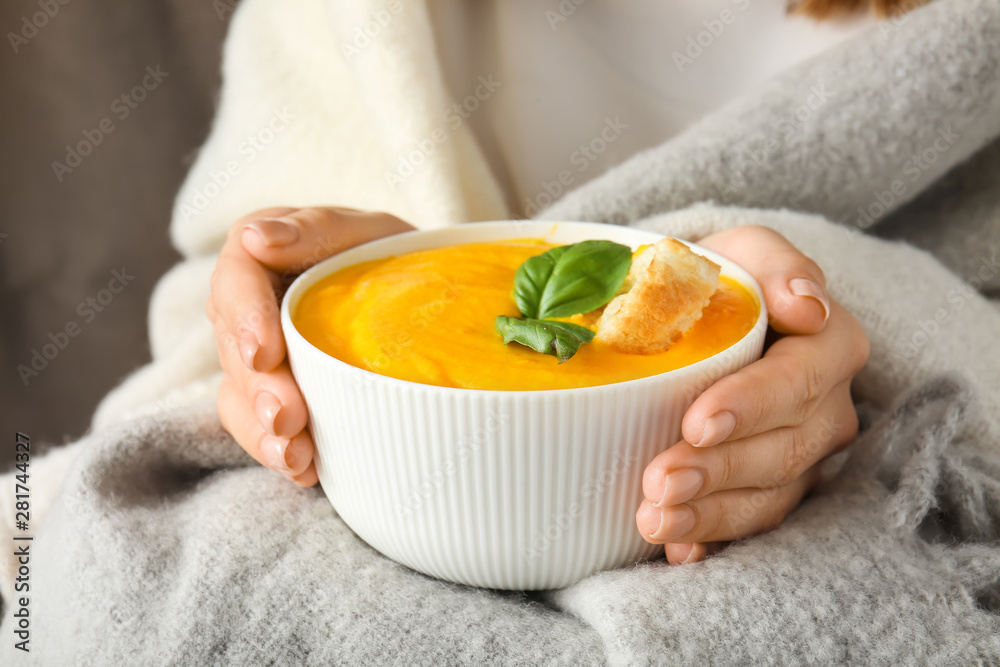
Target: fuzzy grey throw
x=169 y=546
x=171 y=550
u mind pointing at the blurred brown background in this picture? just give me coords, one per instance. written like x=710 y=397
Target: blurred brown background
x=65 y=68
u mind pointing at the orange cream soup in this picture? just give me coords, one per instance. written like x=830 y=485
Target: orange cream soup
x=428 y=317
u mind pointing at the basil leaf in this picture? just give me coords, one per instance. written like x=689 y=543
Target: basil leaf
x=564 y=281
x=531 y=278
x=573 y=279
x=560 y=339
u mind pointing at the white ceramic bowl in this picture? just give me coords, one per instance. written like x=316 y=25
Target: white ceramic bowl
x=501 y=489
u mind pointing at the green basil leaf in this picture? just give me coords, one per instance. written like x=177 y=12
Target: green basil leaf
x=573 y=279
x=531 y=278
x=560 y=339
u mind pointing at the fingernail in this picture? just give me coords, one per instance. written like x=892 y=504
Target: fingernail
x=274 y=232
x=718 y=427
x=690 y=555
x=687 y=556
x=290 y=457
x=248 y=348
x=674 y=522
x=273 y=449
x=267 y=407
x=681 y=486
x=803 y=287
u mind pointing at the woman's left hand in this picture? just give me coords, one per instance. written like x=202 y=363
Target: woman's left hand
x=753 y=441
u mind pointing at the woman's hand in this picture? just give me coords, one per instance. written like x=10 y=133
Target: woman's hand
x=754 y=439
x=259 y=402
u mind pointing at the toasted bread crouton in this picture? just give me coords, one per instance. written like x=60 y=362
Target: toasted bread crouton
x=662 y=297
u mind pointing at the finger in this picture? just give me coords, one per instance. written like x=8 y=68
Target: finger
x=210 y=310
x=243 y=298
x=292 y=243
x=682 y=554
x=723 y=516
x=764 y=460
x=309 y=478
x=290 y=456
x=794 y=286
x=781 y=389
x=274 y=396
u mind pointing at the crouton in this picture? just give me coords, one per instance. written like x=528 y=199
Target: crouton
x=662 y=297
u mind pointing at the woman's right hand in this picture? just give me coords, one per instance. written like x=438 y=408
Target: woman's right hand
x=259 y=402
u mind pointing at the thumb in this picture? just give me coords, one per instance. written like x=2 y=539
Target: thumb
x=291 y=243
x=794 y=286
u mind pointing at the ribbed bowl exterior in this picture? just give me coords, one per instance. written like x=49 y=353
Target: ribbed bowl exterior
x=501 y=489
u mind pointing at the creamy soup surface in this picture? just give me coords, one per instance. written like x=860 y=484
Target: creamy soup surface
x=428 y=317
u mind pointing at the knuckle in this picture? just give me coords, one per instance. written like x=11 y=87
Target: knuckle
x=225 y=269
x=253 y=385
x=760 y=230
x=808 y=387
x=341 y=212
x=652 y=478
x=727 y=468
x=225 y=342
x=244 y=324
x=316 y=215
x=796 y=453
x=746 y=382
x=324 y=226
x=709 y=518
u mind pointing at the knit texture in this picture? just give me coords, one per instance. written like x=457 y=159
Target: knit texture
x=846 y=580
x=169 y=545
x=181 y=550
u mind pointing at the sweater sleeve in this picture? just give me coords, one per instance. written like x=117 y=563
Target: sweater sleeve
x=309 y=115
x=315 y=111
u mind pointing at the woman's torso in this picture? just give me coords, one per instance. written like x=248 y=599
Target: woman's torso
x=558 y=92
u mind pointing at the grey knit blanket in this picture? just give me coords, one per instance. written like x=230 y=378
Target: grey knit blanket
x=169 y=546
